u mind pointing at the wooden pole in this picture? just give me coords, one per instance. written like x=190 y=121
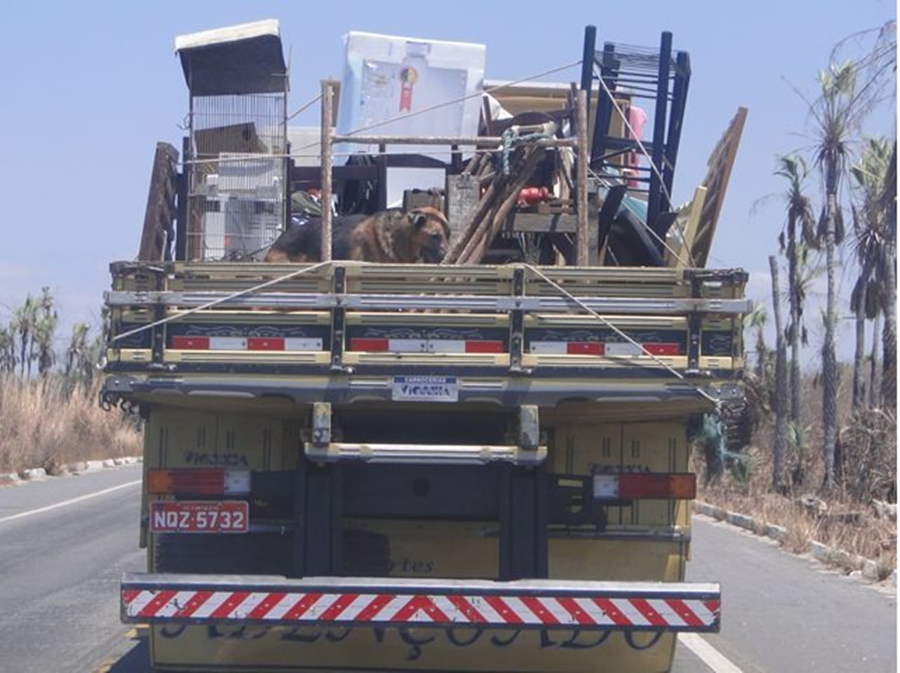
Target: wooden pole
x=581 y=193
x=326 y=163
x=781 y=393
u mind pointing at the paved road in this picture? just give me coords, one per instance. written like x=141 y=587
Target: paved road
x=59 y=569
x=63 y=550
x=785 y=613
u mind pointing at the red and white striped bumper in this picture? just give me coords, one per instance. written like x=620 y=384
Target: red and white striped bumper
x=638 y=606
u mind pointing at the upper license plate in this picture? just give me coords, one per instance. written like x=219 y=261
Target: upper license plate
x=227 y=516
x=425 y=389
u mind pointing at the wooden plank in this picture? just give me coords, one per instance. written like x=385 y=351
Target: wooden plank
x=718 y=173
x=677 y=255
x=158 y=233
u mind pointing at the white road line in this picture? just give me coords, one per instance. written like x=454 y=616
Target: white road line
x=66 y=503
x=708 y=654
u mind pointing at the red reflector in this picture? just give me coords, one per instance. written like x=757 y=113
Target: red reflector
x=372 y=345
x=585 y=348
x=659 y=486
x=661 y=349
x=186 y=482
x=190 y=343
x=484 y=347
x=262 y=344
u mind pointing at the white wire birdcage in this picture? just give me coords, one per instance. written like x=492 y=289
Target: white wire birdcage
x=237 y=130
x=238 y=145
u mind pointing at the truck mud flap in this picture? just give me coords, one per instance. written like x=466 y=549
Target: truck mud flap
x=526 y=604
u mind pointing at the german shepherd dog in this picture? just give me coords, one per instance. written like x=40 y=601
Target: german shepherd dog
x=391 y=236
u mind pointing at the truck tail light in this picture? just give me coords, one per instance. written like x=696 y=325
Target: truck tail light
x=647 y=486
x=197 y=482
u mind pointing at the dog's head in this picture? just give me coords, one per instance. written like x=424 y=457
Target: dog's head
x=430 y=234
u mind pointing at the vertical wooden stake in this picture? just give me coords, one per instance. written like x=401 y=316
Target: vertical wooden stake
x=581 y=194
x=326 y=161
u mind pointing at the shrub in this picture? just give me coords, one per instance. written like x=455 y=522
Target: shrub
x=42 y=423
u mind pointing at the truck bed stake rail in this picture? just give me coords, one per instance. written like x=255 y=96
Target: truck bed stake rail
x=389 y=302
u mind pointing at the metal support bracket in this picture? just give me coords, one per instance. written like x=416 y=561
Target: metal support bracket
x=318 y=533
x=695 y=323
x=321 y=424
x=523 y=524
x=529 y=427
x=517 y=324
x=338 y=320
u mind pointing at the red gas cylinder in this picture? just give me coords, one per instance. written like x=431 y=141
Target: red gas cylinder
x=532 y=195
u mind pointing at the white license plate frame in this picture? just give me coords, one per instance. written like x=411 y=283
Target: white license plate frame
x=425 y=389
x=229 y=517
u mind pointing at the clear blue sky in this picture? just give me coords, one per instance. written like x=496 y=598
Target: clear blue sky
x=89 y=87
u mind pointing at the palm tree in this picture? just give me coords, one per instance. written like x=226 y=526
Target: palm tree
x=878 y=69
x=7 y=350
x=867 y=300
x=889 y=340
x=799 y=213
x=76 y=350
x=875 y=364
x=23 y=328
x=79 y=354
x=46 y=319
x=836 y=114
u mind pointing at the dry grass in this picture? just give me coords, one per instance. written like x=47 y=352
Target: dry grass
x=847 y=525
x=43 y=425
x=869 y=447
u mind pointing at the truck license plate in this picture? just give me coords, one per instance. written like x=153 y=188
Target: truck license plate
x=229 y=516
x=425 y=389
